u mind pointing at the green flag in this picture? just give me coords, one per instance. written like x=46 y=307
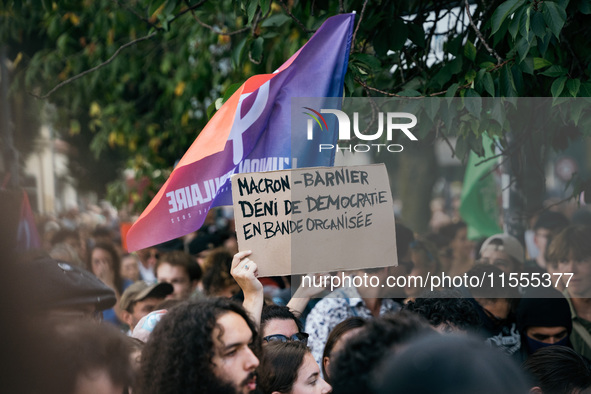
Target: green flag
x=479 y=201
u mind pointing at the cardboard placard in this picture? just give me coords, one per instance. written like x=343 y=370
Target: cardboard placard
x=320 y=219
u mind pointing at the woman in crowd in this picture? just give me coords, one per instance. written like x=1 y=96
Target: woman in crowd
x=104 y=262
x=289 y=368
x=337 y=339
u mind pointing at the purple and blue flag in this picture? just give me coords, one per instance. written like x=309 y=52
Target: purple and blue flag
x=251 y=132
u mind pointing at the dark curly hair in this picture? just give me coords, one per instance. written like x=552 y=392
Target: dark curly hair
x=178 y=356
x=354 y=366
x=446 y=306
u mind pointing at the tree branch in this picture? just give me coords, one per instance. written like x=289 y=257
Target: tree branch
x=188 y=9
x=366 y=86
x=292 y=16
x=118 y=51
x=358 y=24
x=453 y=151
x=78 y=76
x=479 y=34
x=128 y=8
x=213 y=29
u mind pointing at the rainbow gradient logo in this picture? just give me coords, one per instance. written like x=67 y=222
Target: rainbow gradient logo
x=315 y=117
x=388 y=123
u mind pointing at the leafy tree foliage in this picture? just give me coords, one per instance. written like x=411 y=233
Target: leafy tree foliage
x=139 y=78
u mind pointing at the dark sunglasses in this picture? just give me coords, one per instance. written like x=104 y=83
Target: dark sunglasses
x=299 y=337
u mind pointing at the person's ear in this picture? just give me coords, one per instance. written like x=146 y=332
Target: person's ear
x=326 y=363
x=536 y=390
x=127 y=317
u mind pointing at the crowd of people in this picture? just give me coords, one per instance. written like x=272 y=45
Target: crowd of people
x=193 y=316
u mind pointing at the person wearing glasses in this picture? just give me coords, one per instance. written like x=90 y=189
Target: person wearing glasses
x=278 y=323
x=289 y=367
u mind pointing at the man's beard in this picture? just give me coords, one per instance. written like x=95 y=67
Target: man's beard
x=224 y=387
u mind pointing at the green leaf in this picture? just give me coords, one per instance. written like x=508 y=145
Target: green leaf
x=456 y=65
x=517 y=20
x=544 y=42
x=577 y=107
x=62 y=42
x=540 y=63
x=507 y=84
x=210 y=110
x=585 y=89
x=573 y=86
x=585 y=7
x=265 y=6
x=487 y=65
x=473 y=102
x=154 y=6
x=416 y=34
x=557 y=86
x=237 y=53
x=454 y=44
x=275 y=20
x=538 y=25
x=349 y=83
x=555 y=71
x=256 y=50
x=555 y=16
x=502 y=12
x=251 y=10
x=391 y=35
x=527 y=65
x=169 y=8
x=461 y=148
x=368 y=61
x=522 y=48
x=470 y=50
x=517 y=80
x=488 y=83
x=451 y=91
x=230 y=91
x=470 y=76
x=431 y=106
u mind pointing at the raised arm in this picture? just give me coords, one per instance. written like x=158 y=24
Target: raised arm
x=245 y=272
x=302 y=295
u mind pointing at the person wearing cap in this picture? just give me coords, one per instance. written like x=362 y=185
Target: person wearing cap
x=543 y=319
x=503 y=251
x=140 y=299
x=569 y=254
x=64 y=291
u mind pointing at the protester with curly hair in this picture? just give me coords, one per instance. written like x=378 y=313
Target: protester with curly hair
x=205 y=346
